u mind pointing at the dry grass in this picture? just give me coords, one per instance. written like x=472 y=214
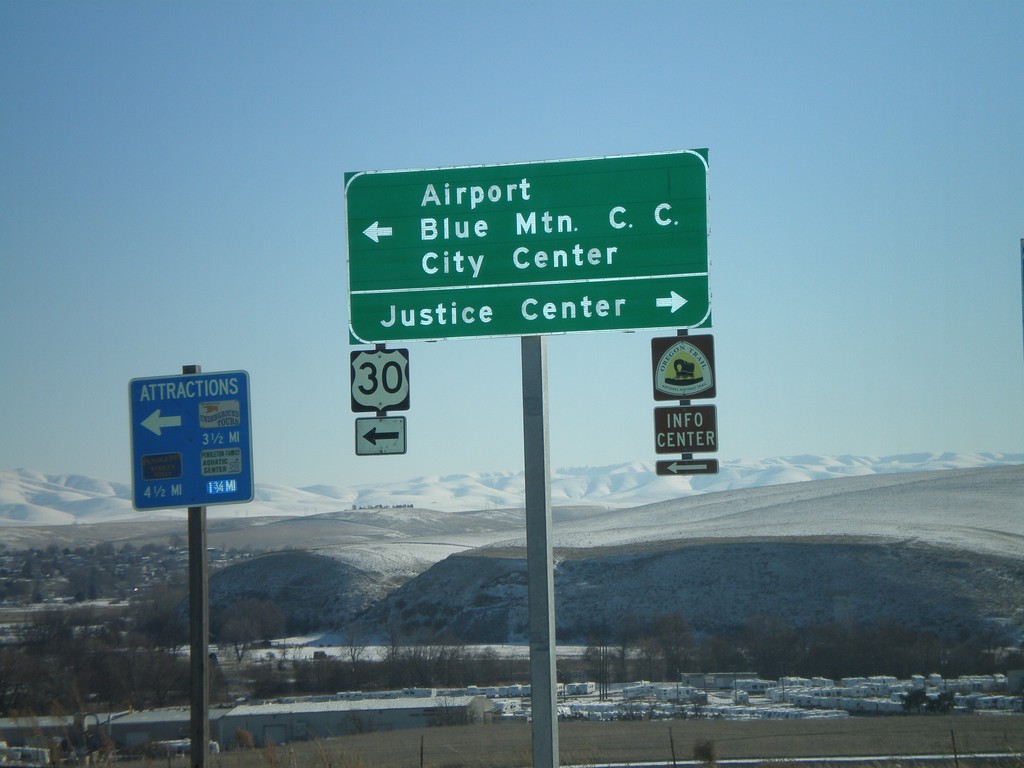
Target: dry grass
x=770 y=743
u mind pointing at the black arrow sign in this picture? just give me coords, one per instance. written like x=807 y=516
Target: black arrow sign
x=687 y=467
x=373 y=436
x=380 y=436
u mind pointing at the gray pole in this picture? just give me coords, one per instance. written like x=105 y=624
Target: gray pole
x=539 y=555
x=1022 y=283
x=199 y=628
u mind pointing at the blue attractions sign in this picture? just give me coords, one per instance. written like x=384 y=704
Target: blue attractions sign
x=191 y=440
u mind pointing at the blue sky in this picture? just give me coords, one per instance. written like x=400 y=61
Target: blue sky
x=172 y=192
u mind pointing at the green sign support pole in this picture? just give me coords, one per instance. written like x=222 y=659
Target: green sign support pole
x=530 y=250
x=539 y=555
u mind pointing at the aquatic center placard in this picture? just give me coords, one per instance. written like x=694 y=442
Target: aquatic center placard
x=596 y=244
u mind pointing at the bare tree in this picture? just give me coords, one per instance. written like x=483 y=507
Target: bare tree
x=598 y=656
x=672 y=635
x=355 y=648
x=16 y=675
x=246 y=623
x=162 y=618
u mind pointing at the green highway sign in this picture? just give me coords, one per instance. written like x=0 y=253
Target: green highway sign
x=599 y=244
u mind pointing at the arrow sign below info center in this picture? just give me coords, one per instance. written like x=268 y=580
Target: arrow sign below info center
x=687 y=467
x=593 y=244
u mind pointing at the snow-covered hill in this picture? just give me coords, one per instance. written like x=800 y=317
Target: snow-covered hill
x=34 y=498
x=941 y=550
x=828 y=538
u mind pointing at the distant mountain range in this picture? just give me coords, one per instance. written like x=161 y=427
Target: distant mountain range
x=34 y=498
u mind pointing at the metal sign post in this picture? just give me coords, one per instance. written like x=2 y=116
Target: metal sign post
x=199 y=628
x=191 y=443
x=528 y=250
x=539 y=560
x=199 y=636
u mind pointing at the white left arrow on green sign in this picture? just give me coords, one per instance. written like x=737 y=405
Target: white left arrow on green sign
x=375 y=231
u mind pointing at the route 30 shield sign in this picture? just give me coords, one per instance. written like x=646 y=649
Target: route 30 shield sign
x=380 y=380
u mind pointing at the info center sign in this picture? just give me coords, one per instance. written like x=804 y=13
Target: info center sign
x=599 y=244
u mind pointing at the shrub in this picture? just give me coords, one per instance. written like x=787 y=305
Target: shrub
x=706 y=752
